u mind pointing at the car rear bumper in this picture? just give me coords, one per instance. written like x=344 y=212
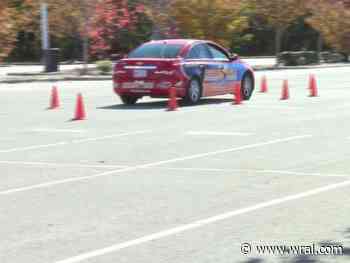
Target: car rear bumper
x=155 y=92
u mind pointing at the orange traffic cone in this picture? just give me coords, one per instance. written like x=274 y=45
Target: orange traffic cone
x=313 y=86
x=237 y=94
x=54 y=101
x=172 y=103
x=285 y=90
x=263 y=88
x=80 y=109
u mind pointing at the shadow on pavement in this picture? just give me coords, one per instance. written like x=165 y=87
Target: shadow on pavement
x=162 y=104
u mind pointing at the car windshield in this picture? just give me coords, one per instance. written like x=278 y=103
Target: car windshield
x=156 y=51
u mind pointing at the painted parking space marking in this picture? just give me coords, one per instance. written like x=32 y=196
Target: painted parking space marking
x=201 y=223
x=269 y=107
x=251 y=171
x=102 y=166
x=36 y=147
x=214 y=133
x=56 y=130
x=33 y=147
x=153 y=164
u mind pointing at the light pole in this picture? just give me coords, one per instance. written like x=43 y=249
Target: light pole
x=156 y=30
x=49 y=55
x=45 y=38
x=86 y=7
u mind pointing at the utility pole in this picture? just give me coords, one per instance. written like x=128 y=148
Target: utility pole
x=86 y=7
x=49 y=56
x=156 y=30
x=319 y=47
x=45 y=38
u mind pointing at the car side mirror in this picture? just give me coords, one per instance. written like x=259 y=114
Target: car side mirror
x=234 y=57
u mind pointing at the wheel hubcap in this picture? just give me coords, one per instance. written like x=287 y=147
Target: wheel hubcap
x=247 y=86
x=194 y=91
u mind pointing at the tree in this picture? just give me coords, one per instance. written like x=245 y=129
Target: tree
x=7 y=34
x=72 y=23
x=279 y=15
x=65 y=16
x=118 y=26
x=10 y=22
x=164 y=25
x=67 y=19
x=216 y=20
x=332 y=19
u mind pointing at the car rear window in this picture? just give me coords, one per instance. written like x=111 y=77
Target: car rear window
x=156 y=51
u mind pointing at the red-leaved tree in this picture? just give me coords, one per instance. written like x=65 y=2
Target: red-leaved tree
x=116 y=27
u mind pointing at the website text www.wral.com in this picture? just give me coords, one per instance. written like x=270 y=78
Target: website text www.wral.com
x=286 y=250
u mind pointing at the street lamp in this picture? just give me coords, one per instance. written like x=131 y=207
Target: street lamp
x=50 y=55
x=45 y=38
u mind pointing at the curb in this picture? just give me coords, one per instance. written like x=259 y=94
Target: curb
x=52 y=79
x=265 y=68
x=31 y=78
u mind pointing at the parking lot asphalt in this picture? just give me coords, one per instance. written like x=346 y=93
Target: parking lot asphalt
x=141 y=184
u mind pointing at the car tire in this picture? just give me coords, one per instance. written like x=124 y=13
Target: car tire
x=194 y=92
x=128 y=100
x=247 y=86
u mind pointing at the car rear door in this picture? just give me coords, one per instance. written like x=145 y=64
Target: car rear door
x=226 y=70
x=200 y=59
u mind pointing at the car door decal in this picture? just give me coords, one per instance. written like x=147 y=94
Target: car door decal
x=230 y=74
x=212 y=77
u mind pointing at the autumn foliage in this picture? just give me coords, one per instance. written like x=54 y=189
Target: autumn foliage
x=8 y=28
x=332 y=19
x=216 y=20
x=279 y=15
x=111 y=23
x=116 y=26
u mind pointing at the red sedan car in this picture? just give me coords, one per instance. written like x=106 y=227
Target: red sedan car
x=196 y=68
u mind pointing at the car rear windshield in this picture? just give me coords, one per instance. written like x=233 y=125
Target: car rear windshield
x=156 y=51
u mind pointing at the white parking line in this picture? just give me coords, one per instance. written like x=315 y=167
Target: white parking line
x=109 y=137
x=57 y=130
x=62 y=164
x=269 y=107
x=213 y=133
x=302 y=173
x=201 y=223
x=189 y=157
x=252 y=171
x=34 y=147
x=7 y=139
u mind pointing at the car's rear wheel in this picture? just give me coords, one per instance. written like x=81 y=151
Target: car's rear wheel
x=247 y=86
x=128 y=100
x=194 y=92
